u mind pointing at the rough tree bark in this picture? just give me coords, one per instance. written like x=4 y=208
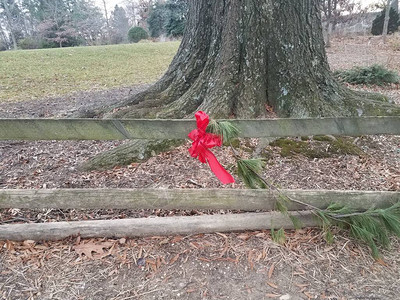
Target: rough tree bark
x=236 y=57
x=239 y=56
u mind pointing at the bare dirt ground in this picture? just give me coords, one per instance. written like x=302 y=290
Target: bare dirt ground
x=213 y=266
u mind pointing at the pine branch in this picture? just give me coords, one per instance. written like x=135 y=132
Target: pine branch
x=224 y=129
x=372 y=226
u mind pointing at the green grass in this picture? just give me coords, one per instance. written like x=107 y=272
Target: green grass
x=35 y=74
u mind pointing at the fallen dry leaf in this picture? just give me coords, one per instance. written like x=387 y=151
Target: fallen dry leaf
x=244 y=236
x=91 y=247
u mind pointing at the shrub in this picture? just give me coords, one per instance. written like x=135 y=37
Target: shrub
x=374 y=74
x=377 y=24
x=29 y=43
x=135 y=34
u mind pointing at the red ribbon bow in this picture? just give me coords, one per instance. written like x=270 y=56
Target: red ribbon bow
x=202 y=141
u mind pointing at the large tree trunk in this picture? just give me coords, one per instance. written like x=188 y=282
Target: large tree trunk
x=236 y=57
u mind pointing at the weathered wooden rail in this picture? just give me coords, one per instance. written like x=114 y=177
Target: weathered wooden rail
x=187 y=199
x=208 y=199
x=93 y=129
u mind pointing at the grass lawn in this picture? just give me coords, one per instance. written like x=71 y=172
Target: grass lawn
x=35 y=74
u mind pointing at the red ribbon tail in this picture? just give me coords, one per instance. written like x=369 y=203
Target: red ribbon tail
x=217 y=169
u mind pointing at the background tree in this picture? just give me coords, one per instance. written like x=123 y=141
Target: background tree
x=11 y=14
x=158 y=19
x=108 y=27
x=334 y=10
x=177 y=19
x=119 y=24
x=167 y=18
x=88 y=21
x=386 y=20
x=144 y=8
x=50 y=23
x=137 y=11
x=4 y=42
x=395 y=5
x=394 y=22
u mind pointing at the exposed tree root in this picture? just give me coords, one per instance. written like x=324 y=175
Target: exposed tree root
x=132 y=151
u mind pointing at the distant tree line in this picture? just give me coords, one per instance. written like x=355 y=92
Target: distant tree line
x=31 y=24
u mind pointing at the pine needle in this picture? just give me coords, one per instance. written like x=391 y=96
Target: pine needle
x=367 y=237
x=372 y=226
x=297 y=224
x=248 y=171
x=225 y=129
x=279 y=236
x=329 y=237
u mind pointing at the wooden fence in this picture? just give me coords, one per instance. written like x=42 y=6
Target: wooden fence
x=246 y=201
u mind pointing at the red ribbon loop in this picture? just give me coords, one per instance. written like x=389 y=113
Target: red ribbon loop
x=202 y=141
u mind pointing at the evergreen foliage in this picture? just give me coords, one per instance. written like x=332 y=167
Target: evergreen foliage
x=278 y=236
x=394 y=22
x=177 y=20
x=119 y=23
x=373 y=226
x=168 y=18
x=158 y=19
x=135 y=34
x=224 y=129
x=248 y=170
x=375 y=74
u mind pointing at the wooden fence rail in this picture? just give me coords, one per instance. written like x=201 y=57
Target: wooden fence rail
x=152 y=226
x=234 y=199
x=93 y=129
x=215 y=199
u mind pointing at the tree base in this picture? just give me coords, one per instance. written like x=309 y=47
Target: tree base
x=342 y=103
